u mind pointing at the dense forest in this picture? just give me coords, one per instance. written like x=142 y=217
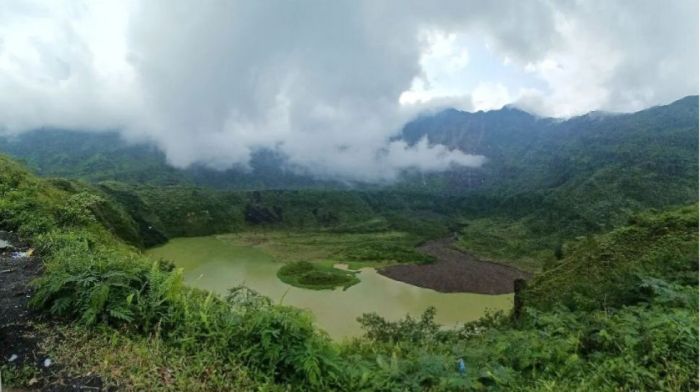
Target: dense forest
x=546 y=180
x=602 y=208
x=624 y=315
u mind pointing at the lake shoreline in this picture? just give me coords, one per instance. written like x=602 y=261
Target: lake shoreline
x=455 y=272
x=216 y=264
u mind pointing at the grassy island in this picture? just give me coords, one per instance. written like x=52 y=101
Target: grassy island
x=315 y=276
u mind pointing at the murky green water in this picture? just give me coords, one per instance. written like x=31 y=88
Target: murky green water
x=215 y=264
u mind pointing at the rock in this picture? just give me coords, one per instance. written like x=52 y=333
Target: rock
x=4 y=245
x=21 y=255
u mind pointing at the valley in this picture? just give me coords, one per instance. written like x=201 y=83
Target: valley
x=349 y=196
x=185 y=280
x=218 y=264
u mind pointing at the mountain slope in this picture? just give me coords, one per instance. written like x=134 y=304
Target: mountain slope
x=524 y=153
x=546 y=180
x=619 y=312
x=105 y=156
x=568 y=178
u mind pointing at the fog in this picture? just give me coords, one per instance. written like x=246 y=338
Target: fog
x=321 y=82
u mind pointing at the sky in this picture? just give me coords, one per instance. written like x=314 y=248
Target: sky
x=328 y=84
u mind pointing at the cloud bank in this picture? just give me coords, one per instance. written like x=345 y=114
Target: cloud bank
x=328 y=84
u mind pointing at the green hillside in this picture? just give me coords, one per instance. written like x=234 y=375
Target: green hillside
x=619 y=311
x=546 y=181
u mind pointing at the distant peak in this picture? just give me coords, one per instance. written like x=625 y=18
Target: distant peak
x=509 y=109
x=689 y=100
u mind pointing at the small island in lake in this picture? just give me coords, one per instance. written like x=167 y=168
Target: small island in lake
x=315 y=276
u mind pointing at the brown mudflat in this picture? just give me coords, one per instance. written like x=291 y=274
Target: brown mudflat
x=456 y=272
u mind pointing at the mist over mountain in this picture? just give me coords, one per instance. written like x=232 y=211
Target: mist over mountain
x=328 y=87
x=522 y=152
x=349 y=195
x=528 y=152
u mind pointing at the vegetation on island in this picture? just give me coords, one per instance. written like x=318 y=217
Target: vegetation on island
x=624 y=315
x=317 y=277
x=546 y=182
x=604 y=209
x=357 y=250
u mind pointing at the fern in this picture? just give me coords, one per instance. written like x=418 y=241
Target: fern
x=61 y=306
x=121 y=313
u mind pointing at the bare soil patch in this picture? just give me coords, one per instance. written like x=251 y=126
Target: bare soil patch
x=20 y=341
x=456 y=272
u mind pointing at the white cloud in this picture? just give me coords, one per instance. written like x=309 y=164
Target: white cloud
x=595 y=55
x=328 y=84
x=490 y=96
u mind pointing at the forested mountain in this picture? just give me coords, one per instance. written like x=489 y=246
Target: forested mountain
x=524 y=152
x=105 y=156
x=546 y=180
x=570 y=201
x=618 y=311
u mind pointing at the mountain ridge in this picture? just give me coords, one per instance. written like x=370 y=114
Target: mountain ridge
x=510 y=138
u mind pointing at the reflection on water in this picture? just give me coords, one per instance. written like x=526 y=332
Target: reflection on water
x=215 y=264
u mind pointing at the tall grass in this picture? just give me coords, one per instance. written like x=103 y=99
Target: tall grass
x=93 y=283
x=618 y=312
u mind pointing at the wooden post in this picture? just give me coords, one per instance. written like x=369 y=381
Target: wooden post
x=519 y=286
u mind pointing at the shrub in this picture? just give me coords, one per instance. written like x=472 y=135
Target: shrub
x=78 y=209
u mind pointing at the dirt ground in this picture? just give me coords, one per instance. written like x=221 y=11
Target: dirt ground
x=19 y=339
x=455 y=272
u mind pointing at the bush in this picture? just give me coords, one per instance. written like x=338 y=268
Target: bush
x=78 y=209
x=624 y=315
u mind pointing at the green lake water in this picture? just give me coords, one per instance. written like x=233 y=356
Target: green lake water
x=215 y=264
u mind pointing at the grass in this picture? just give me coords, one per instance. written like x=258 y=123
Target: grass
x=357 y=250
x=317 y=277
x=24 y=374
x=617 y=312
x=130 y=362
x=508 y=242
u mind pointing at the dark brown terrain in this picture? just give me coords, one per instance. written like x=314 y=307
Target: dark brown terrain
x=456 y=272
x=20 y=340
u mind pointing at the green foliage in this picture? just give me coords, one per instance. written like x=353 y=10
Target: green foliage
x=330 y=247
x=624 y=316
x=93 y=283
x=662 y=246
x=92 y=277
x=244 y=299
x=559 y=251
x=617 y=312
x=78 y=209
x=166 y=212
x=129 y=362
x=406 y=330
x=651 y=346
x=504 y=239
x=549 y=181
x=22 y=375
x=26 y=205
x=314 y=276
x=174 y=211
x=104 y=209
